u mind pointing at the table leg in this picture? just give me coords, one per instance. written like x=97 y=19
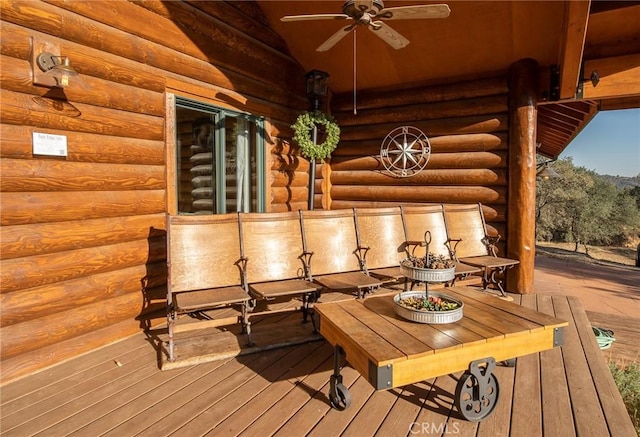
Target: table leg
x=339 y=395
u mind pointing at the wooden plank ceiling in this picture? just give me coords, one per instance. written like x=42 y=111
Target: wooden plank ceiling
x=479 y=39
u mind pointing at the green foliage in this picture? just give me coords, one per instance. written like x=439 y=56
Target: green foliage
x=635 y=193
x=302 y=134
x=583 y=208
x=628 y=381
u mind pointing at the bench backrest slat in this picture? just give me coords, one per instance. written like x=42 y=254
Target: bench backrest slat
x=202 y=251
x=272 y=245
x=382 y=231
x=466 y=222
x=418 y=220
x=331 y=236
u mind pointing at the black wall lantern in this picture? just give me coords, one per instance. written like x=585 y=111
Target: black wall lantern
x=317 y=86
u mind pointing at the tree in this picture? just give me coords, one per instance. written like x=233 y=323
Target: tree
x=590 y=215
x=584 y=208
x=554 y=195
x=635 y=193
x=625 y=216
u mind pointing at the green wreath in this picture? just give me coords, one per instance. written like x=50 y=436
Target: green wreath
x=302 y=134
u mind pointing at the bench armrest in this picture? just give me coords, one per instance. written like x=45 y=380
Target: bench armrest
x=452 y=249
x=361 y=253
x=491 y=241
x=242 y=265
x=306 y=263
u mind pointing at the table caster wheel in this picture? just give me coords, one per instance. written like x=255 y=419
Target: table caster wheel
x=339 y=397
x=473 y=403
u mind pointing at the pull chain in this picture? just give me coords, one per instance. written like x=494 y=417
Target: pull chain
x=355 y=111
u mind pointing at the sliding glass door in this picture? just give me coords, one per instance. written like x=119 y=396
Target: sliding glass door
x=220 y=160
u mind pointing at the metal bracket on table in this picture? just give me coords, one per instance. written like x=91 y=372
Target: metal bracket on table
x=381 y=377
x=558 y=336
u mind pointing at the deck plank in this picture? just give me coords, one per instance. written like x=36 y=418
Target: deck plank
x=225 y=397
x=289 y=405
x=610 y=400
x=498 y=424
x=526 y=390
x=197 y=394
x=371 y=415
x=284 y=392
x=310 y=414
x=25 y=392
x=626 y=348
x=555 y=390
x=335 y=422
x=272 y=392
x=66 y=401
x=588 y=415
x=166 y=384
x=402 y=415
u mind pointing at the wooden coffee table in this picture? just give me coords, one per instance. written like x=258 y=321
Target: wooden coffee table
x=392 y=352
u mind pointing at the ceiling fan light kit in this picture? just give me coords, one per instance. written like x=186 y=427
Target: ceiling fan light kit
x=366 y=12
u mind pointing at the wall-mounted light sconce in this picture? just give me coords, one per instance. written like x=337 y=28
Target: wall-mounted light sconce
x=546 y=172
x=58 y=67
x=594 y=78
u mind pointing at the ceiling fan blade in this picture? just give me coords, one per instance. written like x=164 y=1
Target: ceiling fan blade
x=314 y=17
x=415 y=12
x=333 y=39
x=388 y=35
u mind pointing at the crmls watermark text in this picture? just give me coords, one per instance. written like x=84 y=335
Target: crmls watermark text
x=434 y=428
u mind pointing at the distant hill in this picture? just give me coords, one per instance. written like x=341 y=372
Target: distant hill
x=622 y=182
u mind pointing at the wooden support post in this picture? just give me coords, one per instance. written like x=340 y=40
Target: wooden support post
x=521 y=239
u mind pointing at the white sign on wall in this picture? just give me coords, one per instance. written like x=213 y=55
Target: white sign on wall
x=49 y=144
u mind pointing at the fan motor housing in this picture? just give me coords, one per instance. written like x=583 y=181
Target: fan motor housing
x=357 y=8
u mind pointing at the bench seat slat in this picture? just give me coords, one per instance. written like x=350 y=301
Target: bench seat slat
x=284 y=288
x=202 y=299
x=389 y=273
x=466 y=269
x=489 y=261
x=347 y=280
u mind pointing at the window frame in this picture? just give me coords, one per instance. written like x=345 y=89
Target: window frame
x=219 y=115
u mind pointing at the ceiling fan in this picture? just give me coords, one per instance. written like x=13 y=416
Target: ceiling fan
x=365 y=12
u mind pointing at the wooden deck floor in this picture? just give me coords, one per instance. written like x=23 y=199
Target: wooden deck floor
x=626 y=348
x=120 y=391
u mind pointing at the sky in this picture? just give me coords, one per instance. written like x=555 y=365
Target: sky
x=609 y=144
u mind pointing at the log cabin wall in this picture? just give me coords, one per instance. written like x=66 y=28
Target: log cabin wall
x=467 y=127
x=83 y=236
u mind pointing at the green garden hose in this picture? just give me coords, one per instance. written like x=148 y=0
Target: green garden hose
x=604 y=337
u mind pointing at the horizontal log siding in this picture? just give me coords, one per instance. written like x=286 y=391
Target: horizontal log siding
x=467 y=126
x=83 y=241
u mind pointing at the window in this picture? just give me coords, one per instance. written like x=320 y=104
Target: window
x=220 y=160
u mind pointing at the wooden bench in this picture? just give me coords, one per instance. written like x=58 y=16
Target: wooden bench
x=418 y=220
x=276 y=262
x=382 y=242
x=204 y=272
x=239 y=260
x=474 y=246
x=336 y=262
